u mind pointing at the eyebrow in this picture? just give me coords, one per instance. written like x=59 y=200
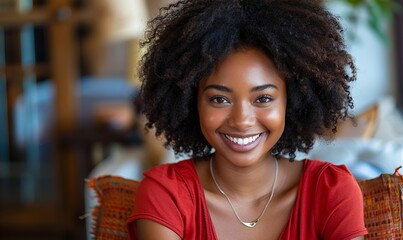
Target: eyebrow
x=263 y=87
x=226 y=89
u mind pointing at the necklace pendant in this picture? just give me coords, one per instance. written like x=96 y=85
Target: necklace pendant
x=253 y=223
x=249 y=224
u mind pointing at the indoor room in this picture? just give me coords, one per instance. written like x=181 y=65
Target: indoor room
x=71 y=113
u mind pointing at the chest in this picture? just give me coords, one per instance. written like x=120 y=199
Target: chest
x=270 y=225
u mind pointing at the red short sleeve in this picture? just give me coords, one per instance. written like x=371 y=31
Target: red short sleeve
x=172 y=195
x=339 y=212
x=159 y=199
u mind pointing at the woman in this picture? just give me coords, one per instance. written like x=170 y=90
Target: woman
x=242 y=86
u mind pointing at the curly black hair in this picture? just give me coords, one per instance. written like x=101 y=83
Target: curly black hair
x=188 y=39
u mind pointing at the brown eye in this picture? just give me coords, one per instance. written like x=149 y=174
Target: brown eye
x=219 y=100
x=264 y=99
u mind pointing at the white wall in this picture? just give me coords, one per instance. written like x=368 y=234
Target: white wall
x=373 y=60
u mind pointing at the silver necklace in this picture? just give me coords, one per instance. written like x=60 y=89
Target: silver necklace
x=254 y=222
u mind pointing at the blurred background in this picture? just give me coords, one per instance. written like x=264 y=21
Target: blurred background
x=68 y=108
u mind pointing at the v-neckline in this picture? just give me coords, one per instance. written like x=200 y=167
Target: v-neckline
x=208 y=216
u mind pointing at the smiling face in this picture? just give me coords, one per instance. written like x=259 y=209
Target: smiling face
x=242 y=107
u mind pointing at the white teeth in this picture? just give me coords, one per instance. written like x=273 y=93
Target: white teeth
x=242 y=141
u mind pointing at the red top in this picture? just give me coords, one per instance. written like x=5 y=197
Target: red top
x=329 y=203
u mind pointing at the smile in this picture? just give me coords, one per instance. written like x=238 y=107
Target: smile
x=243 y=141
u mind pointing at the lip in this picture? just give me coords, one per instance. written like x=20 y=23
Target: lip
x=242 y=148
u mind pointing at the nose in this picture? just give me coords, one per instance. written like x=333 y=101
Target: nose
x=242 y=116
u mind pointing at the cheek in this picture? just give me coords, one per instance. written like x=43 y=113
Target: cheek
x=274 y=120
x=204 y=117
x=211 y=119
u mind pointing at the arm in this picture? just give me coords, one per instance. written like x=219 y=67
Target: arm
x=150 y=230
x=358 y=238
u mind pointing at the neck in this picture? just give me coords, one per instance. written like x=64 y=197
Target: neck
x=245 y=184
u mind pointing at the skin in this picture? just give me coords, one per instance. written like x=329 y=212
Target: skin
x=245 y=98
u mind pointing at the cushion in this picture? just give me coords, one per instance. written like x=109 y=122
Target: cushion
x=383 y=206
x=115 y=203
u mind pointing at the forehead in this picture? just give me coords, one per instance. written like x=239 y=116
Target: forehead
x=247 y=65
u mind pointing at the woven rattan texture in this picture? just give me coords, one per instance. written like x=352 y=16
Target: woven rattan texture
x=115 y=202
x=383 y=206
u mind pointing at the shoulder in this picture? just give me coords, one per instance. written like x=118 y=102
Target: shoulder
x=167 y=188
x=170 y=170
x=326 y=171
x=328 y=179
x=325 y=183
x=172 y=176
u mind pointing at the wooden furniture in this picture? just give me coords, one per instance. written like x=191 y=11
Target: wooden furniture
x=41 y=198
